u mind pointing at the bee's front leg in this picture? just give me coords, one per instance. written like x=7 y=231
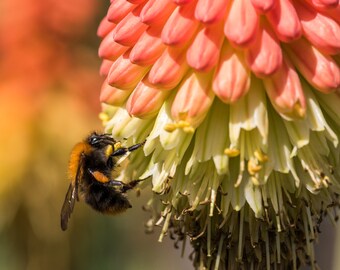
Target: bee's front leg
x=124 y=150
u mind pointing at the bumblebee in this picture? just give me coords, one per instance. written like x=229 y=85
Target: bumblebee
x=92 y=163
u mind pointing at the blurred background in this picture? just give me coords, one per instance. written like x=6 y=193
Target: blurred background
x=49 y=91
x=49 y=100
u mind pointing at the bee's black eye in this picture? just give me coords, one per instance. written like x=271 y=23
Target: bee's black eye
x=94 y=140
x=100 y=141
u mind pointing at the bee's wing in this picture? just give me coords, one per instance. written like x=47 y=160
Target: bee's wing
x=68 y=206
x=71 y=196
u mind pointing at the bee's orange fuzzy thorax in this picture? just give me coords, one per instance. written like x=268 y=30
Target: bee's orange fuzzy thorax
x=77 y=150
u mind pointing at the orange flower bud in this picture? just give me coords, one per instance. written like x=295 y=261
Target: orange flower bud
x=136 y=2
x=264 y=56
x=210 y=11
x=124 y=74
x=112 y=95
x=182 y=2
x=128 y=30
x=242 y=23
x=285 y=21
x=333 y=13
x=320 y=30
x=193 y=99
x=319 y=70
x=169 y=69
x=323 y=4
x=109 y=49
x=145 y=101
x=105 y=27
x=105 y=67
x=232 y=77
x=118 y=10
x=285 y=92
x=203 y=53
x=148 y=48
x=181 y=26
x=156 y=12
x=263 y=6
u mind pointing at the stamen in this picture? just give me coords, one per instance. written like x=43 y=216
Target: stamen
x=299 y=110
x=278 y=247
x=231 y=152
x=280 y=202
x=255 y=181
x=104 y=117
x=294 y=254
x=209 y=237
x=185 y=126
x=165 y=226
x=331 y=217
x=267 y=249
x=212 y=202
x=201 y=258
x=310 y=222
x=260 y=156
x=219 y=251
x=307 y=236
x=170 y=127
x=188 y=129
x=240 y=237
x=252 y=167
x=213 y=195
x=183 y=245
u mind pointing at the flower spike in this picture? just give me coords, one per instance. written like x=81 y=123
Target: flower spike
x=238 y=102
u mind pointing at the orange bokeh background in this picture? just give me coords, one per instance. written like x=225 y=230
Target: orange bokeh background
x=49 y=100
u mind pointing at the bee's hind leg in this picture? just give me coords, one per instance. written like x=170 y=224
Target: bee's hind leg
x=131 y=184
x=115 y=183
x=123 y=186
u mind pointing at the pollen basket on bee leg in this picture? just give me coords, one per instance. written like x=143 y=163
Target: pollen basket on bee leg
x=99 y=176
x=109 y=150
x=117 y=145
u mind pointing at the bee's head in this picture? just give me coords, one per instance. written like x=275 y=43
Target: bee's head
x=100 y=140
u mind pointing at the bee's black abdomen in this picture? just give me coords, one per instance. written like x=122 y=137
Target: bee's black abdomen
x=106 y=199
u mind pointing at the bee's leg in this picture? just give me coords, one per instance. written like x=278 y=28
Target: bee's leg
x=100 y=177
x=123 y=187
x=115 y=183
x=131 y=184
x=123 y=150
